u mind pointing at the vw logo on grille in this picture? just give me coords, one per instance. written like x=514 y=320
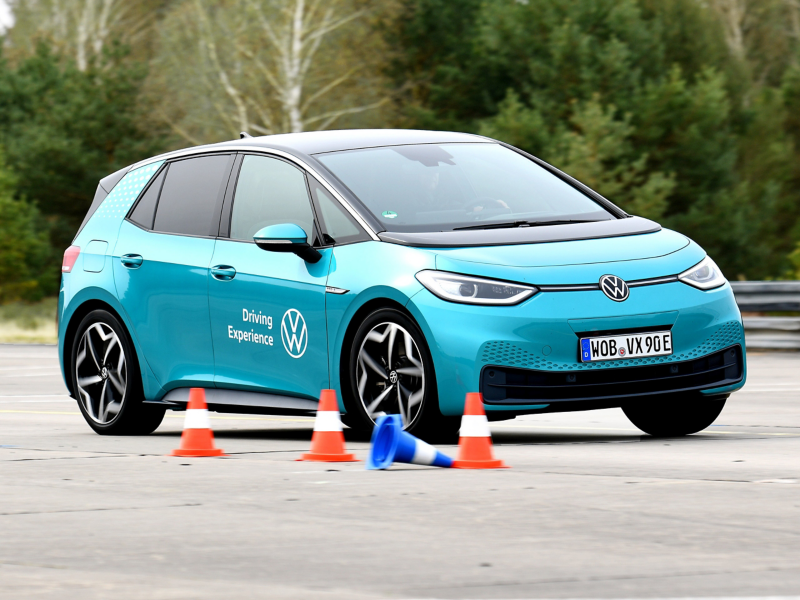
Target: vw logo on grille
x=615 y=288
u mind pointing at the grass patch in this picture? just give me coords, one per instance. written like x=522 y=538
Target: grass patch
x=22 y=323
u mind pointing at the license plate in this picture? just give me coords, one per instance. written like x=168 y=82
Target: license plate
x=632 y=345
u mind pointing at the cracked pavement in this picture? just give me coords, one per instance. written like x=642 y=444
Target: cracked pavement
x=590 y=508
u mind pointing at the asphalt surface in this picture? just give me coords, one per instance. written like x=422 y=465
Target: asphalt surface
x=590 y=508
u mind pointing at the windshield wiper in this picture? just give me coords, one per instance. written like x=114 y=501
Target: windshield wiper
x=512 y=224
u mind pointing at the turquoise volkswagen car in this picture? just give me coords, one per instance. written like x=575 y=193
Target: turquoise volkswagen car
x=402 y=269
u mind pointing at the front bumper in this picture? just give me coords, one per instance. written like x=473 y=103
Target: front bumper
x=503 y=386
x=540 y=338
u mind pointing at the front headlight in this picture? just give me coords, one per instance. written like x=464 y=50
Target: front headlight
x=474 y=290
x=704 y=275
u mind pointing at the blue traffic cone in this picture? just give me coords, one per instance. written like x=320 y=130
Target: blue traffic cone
x=391 y=444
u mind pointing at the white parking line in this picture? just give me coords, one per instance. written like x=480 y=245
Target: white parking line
x=20 y=368
x=59 y=399
x=769 y=390
x=36 y=396
x=29 y=374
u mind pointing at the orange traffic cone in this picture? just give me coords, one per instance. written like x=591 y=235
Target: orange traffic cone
x=475 y=442
x=197 y=439
x=327 y=442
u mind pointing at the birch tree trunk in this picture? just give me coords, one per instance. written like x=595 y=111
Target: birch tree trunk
x=270 y=66
x=733 y=14
x=84 y=28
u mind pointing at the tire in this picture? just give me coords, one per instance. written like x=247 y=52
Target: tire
x=106 y=379
x=674 y=416
x=390 y=370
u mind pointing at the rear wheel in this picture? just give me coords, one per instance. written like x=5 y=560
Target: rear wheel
x=676 y=415
x=390 y=371
x=106 y=380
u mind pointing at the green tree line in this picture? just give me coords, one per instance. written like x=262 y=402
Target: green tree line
x=684 y=111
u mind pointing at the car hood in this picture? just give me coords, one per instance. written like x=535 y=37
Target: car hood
x=631 y=257
x=631 y=247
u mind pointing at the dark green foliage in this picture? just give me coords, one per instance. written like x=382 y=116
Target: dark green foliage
x=24 y=246
x=650 y=102
x=640 y=99
x=62 y=130
x=441 y=79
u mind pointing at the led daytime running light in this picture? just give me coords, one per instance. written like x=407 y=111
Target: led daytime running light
x=474 y=290
x=705 y=275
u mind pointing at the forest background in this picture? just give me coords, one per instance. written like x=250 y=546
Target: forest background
x=684 y=111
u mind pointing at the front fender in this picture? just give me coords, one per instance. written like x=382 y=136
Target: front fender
x=361 y=269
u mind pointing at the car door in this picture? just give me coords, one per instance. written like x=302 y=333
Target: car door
x=268 y=308
x=161 y=263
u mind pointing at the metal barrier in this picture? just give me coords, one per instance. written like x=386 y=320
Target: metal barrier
x=769 y=333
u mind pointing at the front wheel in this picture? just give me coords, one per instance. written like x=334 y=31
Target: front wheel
x=674 y=416
x=390 y=371
x=106 y=379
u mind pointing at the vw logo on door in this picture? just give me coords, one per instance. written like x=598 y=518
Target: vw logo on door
x=294 y=333
x=615 y=288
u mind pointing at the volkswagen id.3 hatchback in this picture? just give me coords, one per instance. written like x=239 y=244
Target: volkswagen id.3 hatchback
x=402 y=269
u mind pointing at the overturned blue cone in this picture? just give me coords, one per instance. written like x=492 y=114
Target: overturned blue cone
x=391 y=444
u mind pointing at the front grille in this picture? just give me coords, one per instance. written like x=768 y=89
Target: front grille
x=504 y=385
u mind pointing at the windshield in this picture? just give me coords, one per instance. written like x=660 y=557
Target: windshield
x=441 y=187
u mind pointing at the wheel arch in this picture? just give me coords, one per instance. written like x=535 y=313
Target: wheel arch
x=73 y=322
x=341 y=356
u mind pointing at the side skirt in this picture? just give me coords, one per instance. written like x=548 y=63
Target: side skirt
x=238 y=401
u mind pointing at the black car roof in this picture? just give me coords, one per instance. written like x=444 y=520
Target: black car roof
x=316 y=142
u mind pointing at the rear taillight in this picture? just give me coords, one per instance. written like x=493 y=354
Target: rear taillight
x=70 y=256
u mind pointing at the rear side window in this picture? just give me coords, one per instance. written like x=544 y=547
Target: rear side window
x=191 y=196
x=145 y=210
x=270 y=192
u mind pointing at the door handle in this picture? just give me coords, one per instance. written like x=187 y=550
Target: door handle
x=132 y=261
x=223 y=272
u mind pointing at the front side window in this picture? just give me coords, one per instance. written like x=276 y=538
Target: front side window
x=339 y=225
x=441 y=187
x=270 y=191
x=191 y=196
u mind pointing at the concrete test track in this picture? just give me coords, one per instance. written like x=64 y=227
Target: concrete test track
x=591 y=508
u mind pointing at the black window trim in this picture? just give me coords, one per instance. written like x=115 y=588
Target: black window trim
x=582 y=188
x=598 y=198
x=145 y=189
x=165 y=166
x=308 y=164
x=319 y=223
x=363 y=236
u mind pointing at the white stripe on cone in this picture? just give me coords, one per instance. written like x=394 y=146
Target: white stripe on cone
x=475 y=426
x=197 y=418
x=424 y=454
x=328 y=420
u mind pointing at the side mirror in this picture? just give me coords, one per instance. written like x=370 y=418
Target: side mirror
x=286 y=237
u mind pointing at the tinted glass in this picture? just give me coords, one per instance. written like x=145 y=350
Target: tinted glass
x=439 y=187
x=145 y=208
x=190 y=196
x=270 y=191
x=338 y=223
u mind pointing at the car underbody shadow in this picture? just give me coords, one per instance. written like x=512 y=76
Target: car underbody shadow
x=522 y=436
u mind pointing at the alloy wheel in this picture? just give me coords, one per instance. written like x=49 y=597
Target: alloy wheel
x=101 y=374
x=390 y=374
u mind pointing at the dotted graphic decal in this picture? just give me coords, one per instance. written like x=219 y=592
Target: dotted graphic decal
x=119 y=201
x=506 y=354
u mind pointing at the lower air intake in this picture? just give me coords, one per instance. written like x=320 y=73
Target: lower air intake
x=504 y=385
